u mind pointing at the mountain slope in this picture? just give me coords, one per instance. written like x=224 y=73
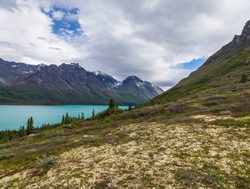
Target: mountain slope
x=66 y=84
x=220 y=77
x=11 y=72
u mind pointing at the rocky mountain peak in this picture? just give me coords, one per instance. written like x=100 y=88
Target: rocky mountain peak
x=76 y=65
x=133 y=78
x=236 y=45
x=246 y=29
x=244 y=38
x=108 y=80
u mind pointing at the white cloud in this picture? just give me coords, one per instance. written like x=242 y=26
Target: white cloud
x=25 y=36
x=145 y=38
x=58 y=15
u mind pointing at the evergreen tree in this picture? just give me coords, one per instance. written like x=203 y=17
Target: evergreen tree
x=82 y=116
x=129 y=107
x=63 y=119
x=30 y=126
x=79 y=117
x=93 y=113
x=67 y=118
x=111 y=104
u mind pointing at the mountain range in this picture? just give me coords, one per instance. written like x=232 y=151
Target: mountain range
x=68 y=84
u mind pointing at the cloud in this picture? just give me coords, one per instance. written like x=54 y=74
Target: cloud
x=147 y=38
x=27 y=35
x=58 y=15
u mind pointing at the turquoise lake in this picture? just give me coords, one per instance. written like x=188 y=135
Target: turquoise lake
x=12 y=116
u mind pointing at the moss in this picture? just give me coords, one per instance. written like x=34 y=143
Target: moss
x=233 y=123
x=209 y=176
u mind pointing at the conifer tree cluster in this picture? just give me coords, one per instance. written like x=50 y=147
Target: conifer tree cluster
x=66 y=119
x=113 y=105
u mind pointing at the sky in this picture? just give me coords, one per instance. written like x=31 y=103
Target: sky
x=161 y=41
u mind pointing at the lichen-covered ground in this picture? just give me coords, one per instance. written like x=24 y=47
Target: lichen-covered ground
x=198 y=154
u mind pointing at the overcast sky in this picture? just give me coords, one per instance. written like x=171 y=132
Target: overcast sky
x=161 y=41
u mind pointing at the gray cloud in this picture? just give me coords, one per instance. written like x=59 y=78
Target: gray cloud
x=165 y=84
x=42 y=38
x=147 y=38
x=9 y=5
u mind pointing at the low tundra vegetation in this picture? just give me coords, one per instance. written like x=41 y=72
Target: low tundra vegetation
x=199 y=151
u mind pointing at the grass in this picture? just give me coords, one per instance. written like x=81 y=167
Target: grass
x=196 y=152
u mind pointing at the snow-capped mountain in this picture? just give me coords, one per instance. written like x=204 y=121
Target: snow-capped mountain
x=68 y=84
x=107 y=79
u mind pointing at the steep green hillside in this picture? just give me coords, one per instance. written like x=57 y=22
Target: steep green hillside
x=220 y=77
x=224 y=74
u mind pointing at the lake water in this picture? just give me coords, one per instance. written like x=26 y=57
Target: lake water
x=12 y=116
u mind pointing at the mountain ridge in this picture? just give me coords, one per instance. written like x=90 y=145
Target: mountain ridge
x=66 y=84
x=219 y=77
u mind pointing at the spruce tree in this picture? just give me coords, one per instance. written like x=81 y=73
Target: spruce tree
x=67 y=118
x=63 y=119
x=82 y=116
x=93 y=113
x=30 y=126
x=111 y=104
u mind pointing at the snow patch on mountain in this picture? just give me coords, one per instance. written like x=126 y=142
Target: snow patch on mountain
x=14 y=66
x=40 y=66
x=101 y=74
x=77 y=65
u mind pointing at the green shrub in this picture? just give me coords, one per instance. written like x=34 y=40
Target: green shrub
x=5 y=154
x=244 y=78
x=45 y=164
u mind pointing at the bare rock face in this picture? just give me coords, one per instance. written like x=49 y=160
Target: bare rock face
x=244 y=38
